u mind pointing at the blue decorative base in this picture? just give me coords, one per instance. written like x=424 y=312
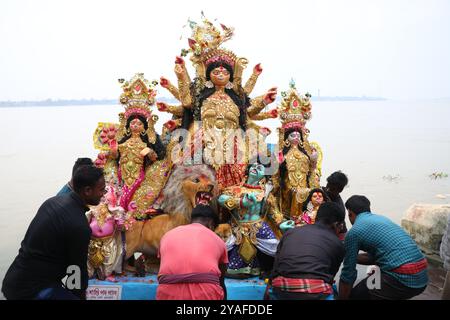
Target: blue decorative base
x=136 y=288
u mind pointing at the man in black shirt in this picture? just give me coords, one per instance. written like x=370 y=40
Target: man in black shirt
x=308 y=257
x=336 y=182
x=56 y=244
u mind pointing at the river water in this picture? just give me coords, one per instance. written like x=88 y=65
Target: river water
x=388 y=149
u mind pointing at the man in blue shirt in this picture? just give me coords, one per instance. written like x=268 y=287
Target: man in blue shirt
x=403 y=267
x=68 y=187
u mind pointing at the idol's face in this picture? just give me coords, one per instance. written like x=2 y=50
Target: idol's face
x=220 y=76
x=317 y=199
x=136 y=126
x=256 y=171
x=294 y=138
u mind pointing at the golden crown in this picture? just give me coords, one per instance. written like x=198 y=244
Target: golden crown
x=138 y=95
x=204 y=45
x=223 y=55
x=206 y=36
x=295 y=109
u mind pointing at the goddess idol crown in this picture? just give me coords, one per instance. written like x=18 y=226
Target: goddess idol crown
x=295 y=109
x=205 y=46
x=294 y=112
x=137 y=98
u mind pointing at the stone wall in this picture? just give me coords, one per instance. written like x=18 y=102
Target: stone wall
x=426 y=224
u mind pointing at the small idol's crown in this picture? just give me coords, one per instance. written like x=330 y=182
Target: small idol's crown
x=295 y=109
x=138 y=95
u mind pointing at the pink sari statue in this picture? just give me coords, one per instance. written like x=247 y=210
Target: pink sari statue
x=315 y=199
x=106 y=247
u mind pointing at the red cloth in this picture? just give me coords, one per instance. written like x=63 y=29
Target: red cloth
x=230 y=175
x=412 y=268
x=191 y=248
x=302 y=285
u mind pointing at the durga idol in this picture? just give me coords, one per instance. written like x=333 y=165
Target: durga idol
x=214 y=107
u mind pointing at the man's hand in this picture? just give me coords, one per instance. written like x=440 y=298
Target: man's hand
x=365 y=259
x=344 y=290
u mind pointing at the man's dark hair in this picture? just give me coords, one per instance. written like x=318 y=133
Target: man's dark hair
x=358 y=204
x=81 y=162
x=329 y=213
x=338 y=179
x=204 y=213
x=86 y=176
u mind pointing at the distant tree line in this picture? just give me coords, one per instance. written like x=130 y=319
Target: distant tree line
x=84 y=102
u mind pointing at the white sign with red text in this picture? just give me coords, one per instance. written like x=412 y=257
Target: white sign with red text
x=104 y=292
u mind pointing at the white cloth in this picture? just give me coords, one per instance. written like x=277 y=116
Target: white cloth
x=267 y=246
x=230 y=242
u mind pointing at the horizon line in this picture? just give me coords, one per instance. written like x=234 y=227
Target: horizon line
x=92 y=101
x=51 y=100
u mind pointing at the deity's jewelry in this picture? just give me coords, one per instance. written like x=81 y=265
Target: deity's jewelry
x=287 y=143
x=209 y=84
x=310 y=207
x=143 y=133
x=229 y=85
x=128 y=131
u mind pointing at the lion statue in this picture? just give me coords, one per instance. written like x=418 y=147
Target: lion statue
x=187 y=187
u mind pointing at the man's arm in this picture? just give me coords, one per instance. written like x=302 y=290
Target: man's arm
x=344 y=290
x=77 y=240
x=339 y=257
x=365 y=259
x=349 y=273
x=274 y=271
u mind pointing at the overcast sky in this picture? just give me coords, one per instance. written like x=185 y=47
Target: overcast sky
x=79 y=48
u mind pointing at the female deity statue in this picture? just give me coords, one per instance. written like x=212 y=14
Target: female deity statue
x=250 y=233
x=300 y=162
x=134 y=153
x=315 y=198
x=135 y=156
x=215 y=108
x=106 y=248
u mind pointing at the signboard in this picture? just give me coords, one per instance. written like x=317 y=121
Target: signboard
x=104 y=292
